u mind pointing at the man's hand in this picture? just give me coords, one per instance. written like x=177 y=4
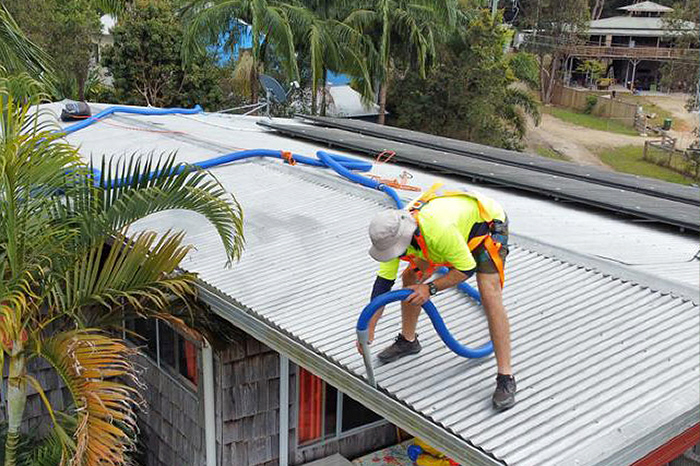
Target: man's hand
x=420 y=295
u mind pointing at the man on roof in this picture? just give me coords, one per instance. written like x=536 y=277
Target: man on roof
x=468 y=233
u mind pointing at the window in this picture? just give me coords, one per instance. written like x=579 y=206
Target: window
x=164 y=345
x=325 y=413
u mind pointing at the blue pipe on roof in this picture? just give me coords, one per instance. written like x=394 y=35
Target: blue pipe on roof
x=343 y=166
x=430 y=309
x=119 y=109
x=328 y=159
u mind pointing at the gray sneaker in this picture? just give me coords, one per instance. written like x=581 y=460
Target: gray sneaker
x=400 y=348
x=504 y=396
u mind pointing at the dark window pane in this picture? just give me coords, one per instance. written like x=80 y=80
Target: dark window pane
x=356 y=415
x=142 y=332
x=331 y=410
x=167 y=344
x=187 y=354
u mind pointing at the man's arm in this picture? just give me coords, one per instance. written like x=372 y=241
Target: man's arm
x=421 y=293
x=453 y=247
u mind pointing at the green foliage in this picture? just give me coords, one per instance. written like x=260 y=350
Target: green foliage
x=66 y=30
x=593 y=69
x=557 y=23
x=34 y=450
x=525 y=68
x=469 y=94
x=591 y=101
x=272 y=33
x=145 y=62
x=67 y=261
x=17 y=51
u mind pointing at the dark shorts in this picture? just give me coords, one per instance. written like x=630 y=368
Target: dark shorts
x=499 y=233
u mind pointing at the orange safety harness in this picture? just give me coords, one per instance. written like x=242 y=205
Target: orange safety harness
x=492 y=247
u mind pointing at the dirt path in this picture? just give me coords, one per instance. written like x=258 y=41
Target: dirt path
x=575 y=142
x=684 y=121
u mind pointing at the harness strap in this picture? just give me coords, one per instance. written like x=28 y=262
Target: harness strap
x=492 y=248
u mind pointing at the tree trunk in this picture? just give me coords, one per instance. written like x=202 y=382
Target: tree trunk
x=547 y=79
x=16 y=401
x=323 y=91
x=314 y=92
x=382 y=102
x=597 y=9
x=254 y=82
x=81 y=79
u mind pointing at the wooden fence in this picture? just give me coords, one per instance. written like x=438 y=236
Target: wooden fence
x=606 y=107
x=663 y=153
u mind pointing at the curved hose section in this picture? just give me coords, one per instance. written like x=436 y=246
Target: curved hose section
x=328 y=159
x=430 y=309
x=119 y=109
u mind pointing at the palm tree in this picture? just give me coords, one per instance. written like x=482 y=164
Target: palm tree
x=209 y=21
x=332 y=44
x=17 y=52
x=67 y=259
x=414 y=24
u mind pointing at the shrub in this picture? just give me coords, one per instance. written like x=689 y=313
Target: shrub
x=591 y=101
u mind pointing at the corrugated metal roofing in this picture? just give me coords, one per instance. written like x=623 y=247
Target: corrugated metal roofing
x=646 y=7
x=636 y=26
x=638 y=204
x=607 y=367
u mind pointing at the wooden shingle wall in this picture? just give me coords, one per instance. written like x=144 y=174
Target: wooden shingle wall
x=36 y=417
x=247 y=405
x=172 y=422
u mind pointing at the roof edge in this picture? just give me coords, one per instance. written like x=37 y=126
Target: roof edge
x=380 y=402
x=608 y=267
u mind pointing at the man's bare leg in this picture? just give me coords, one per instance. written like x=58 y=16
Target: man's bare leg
x=499 y=327
x=409 y=313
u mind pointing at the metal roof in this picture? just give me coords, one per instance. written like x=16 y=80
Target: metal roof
x=637 y=26
x=606 y=355
x=518 y=173
x=646 y=7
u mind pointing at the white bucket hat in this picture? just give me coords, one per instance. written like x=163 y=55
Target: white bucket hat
x=391 y=233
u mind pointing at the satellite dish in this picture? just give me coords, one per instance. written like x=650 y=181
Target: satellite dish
x=273 y=88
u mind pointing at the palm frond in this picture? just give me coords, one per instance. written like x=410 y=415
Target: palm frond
x=93 y=365
x=137 y=272
x=17 y=52
x=135 y=187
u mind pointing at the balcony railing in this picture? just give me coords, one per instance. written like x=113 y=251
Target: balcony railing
x=640 y=53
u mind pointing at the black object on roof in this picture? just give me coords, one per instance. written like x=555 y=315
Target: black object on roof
x=624 y=198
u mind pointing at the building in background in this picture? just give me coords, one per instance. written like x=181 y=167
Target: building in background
x=633 y=46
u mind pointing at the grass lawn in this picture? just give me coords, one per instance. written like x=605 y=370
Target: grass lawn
x=550 y=153
x=628 y=159
x=589 y=121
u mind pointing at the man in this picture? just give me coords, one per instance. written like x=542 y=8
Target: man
x=466 y=232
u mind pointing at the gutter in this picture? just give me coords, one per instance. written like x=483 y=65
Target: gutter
x=378 y=401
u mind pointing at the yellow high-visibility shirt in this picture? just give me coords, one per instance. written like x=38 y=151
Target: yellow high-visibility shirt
x=446 y=224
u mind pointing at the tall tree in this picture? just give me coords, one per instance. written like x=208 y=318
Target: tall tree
x=470 y=94
x=331 y=44
x=145 y=61
x=557 y=25
x=67 y=263
x=210 y=21
x=682 y=75
x=407 y=25
x=67 y=30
